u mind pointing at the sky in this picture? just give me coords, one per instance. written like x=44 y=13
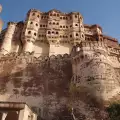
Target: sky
x=106 y=13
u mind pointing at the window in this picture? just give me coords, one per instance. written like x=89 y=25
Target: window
x=36 y=24
x=52 y=32
x=38 y=16
x=57 y=23
x=35 y=34
x=49 y=32
x=66 y=26
x=60 y=26
x=50 y=14
x=56 y=32
x=40 y=25
x=31 y=22
x=82 y=35
x=54 y=14
x=75 y=16
x=66 y=18
x=49 y=23
x=63 y=26
x=63 y=18
x=33 y=14
x=43 y=25
x=76 y=24
x=70 y=35
x=28 y=40
x=60 y=17
x=29 y=32
x=76 y=34
x=39 y=35
x=70 y=26
x=53 y=23
x=42 y=17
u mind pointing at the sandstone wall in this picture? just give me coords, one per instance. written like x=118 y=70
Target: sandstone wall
x=40 y=82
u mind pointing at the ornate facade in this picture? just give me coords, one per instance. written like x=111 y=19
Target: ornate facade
x=48 y=33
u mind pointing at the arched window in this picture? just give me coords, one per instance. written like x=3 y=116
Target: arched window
x=63 y=18
x=82 y=35
x=60 y=26
x=70 y=26
x=56 y=32
x=63 y=26
x=40 y=25
x=52 y=32
x=31 y=22
x=29 y=32
x=33 y=14
x=43 y=25
x=36 y=24
x=76 y=34
x=70 y=36
x=75 y=16
x=66 y=26
x=60 y=17
x=53 y=23
x=35 y=34
x=49 y=32
x=38 y=16
x=76 y=24
x=28 y=40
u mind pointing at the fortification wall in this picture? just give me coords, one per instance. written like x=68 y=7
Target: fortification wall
x=40 y=82
x=97 y=70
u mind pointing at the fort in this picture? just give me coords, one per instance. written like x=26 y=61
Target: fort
x=42 y=56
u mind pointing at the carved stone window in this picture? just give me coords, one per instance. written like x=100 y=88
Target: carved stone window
x=60 y=17
x=29 y=32
x=28 y=40
x=49 y=32
x=33 y=14
x=35 y=34
x=75 y=16
x=36 y=24
x=76 y=34
x=31 y=22
x=63 y=18
x=76 y=24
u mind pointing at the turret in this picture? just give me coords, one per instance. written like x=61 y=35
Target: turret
x=76 y=28
x=30 y=30
x=7 y=41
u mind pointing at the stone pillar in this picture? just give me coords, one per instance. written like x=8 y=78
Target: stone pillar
x=4 y=115
x=21 y=114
